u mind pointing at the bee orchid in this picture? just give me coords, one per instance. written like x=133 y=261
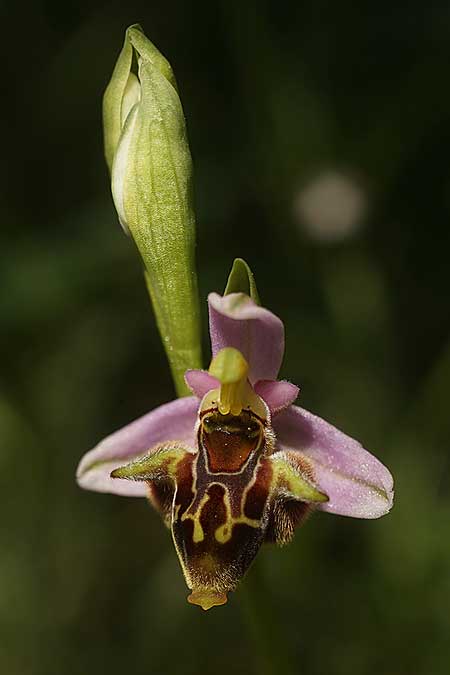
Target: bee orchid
x=237 y=464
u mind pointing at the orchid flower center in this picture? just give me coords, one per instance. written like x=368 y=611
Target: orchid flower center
x=235 y=393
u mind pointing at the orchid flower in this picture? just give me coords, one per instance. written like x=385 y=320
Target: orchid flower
x=237 y=463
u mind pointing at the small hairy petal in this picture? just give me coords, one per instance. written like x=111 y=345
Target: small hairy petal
x=174 y=421
x=236 y=321
x=277 y=395
x=356 y=482
x=200 y=382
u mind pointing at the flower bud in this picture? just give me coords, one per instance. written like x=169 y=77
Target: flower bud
x=147 y=152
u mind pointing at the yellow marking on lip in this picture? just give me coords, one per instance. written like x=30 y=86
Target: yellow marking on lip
x=198 y=534
x=224 y=533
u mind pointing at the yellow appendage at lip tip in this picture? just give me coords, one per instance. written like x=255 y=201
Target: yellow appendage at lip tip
x=231 y=369
x=206 y=598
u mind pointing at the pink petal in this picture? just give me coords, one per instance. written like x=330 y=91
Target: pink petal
x=277 y=395
x=174 y=421
x=236 y=321
x=357 y=483
x=200 y=382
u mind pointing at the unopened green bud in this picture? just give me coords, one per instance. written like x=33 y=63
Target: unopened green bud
x=147 y=152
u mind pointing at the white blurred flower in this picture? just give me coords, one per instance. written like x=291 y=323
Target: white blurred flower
x=330 y=207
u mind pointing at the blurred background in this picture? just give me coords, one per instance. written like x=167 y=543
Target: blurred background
x=320 y=134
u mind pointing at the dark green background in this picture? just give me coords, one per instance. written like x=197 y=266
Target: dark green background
x=273 y=94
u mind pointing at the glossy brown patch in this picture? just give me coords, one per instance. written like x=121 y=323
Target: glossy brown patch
x=229 y=440
x=184 y=480
x=256 y=497
x=213 y=513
